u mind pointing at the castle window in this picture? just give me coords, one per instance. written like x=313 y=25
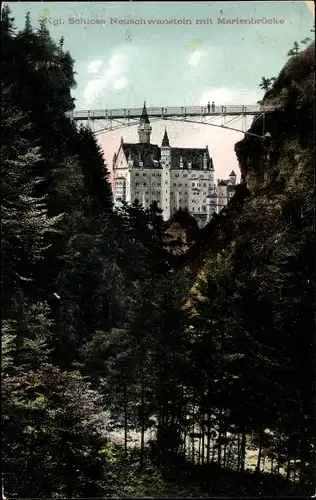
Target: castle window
x=193 y=184
x=158 y=183
x=176 y=175
x=144 y=173
x=185 y=175
x=166 y=182
x=204 y=208
x=145 y=183
x=171 y=192
x=185 y=185
x=147 y=200
x=198 y=208
x=204 y=184
x=137 y=173
x=136 y=183
x=204 y=192
x=153 y=174
x=174 y=184
x=185 y=194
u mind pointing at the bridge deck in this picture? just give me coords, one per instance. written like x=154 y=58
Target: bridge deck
x=183 y=111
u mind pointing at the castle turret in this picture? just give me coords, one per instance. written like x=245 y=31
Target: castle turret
x=165 y=161
x=144 y=129
x=232 y=177
x=165 y=141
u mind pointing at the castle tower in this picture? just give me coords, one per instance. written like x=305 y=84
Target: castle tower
x=144 y=129
x=165 y=162
x=165 y=141
x=232 y=178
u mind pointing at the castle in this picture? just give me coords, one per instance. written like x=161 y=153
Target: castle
x=176 y=178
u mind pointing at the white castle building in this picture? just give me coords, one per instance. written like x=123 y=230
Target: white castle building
x=176 y=178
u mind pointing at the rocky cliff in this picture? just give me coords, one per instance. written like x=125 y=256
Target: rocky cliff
x=252 y=270
x=280 y=162
x=277 y=167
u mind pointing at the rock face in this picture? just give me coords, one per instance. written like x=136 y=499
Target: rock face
x=277 y=172
x=181 y=232
x=280 y=162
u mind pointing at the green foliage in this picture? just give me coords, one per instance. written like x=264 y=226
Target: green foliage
x=267 y=83
x=295 y=49
x=52 y=424
x=100 y=332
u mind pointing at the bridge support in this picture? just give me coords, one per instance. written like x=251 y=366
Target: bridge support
x=109 y=120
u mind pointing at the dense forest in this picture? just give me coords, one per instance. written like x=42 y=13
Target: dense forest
x=208 y=355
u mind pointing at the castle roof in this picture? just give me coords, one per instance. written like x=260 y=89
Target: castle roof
x=232 y=174
x=150 y=155
x=194 y=156
x=230 y=187
x=165 y=140
x=144 y=116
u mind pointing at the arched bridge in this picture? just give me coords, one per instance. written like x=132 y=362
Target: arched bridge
x=106 y=120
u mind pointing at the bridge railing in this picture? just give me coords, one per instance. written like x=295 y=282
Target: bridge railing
x=168 y=111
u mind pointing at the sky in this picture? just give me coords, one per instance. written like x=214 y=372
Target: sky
x=121 y=65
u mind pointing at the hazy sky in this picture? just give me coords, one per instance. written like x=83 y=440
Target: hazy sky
x=120 y=65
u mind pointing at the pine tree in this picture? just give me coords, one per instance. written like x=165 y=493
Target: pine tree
x=53 y=424
x=96 y=176
x=295 y=50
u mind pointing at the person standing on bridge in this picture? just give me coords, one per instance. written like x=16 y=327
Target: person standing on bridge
x=213 y=107
x=208 y=108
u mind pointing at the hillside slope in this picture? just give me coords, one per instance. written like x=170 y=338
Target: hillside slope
x=277 y=173
x=252 y=274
